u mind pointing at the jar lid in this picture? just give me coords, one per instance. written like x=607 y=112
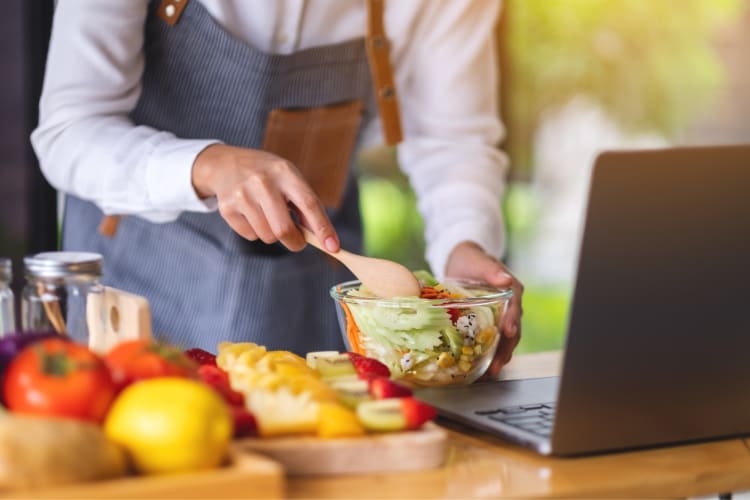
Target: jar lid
x=6 y=270
x=64 y=264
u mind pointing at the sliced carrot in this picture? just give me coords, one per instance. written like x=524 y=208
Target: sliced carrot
x=352 y=331
x=429 y=292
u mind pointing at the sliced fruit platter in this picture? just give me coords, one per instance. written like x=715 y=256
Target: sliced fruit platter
x=329 y=394
x=331 y=412
x=145 y=408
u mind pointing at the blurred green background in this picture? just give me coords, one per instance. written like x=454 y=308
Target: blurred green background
x=577 y=76
x=650 y=66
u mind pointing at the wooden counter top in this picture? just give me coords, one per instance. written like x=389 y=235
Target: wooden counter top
x=483 y=466
x=478 y=465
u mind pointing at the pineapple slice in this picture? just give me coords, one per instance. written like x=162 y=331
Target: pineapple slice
x=242 y=355
x=282 y=412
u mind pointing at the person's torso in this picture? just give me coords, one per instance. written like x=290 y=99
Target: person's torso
x=206 y=284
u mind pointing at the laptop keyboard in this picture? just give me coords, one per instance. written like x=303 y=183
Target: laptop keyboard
x=534 y=418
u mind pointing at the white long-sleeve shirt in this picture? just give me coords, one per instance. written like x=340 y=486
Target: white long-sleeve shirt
x=445 y=71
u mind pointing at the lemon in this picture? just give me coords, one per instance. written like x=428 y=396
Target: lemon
x=170 y=424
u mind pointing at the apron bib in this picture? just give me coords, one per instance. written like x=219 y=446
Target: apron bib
x=205 y=283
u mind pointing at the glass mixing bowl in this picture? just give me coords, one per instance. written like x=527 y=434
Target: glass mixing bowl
x=446 y=337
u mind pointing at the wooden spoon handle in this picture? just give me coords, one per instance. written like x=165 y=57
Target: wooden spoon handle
x=382 y=277
x=311 y=239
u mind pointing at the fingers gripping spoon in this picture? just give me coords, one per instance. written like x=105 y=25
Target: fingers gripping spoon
x=382 y=277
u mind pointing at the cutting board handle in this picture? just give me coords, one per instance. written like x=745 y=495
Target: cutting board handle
x=115 y=316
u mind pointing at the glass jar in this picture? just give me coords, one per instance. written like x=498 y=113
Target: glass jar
x=7 y=302
x=63 y=293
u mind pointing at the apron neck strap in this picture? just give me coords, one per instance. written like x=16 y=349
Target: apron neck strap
x=378 y=49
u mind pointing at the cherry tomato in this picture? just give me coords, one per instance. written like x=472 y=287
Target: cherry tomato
x=56 y=377
x=454 y=314
x=135 y=360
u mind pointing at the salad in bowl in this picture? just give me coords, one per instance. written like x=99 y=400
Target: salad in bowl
x=446 y=336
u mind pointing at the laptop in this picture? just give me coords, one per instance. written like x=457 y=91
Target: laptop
x=658 y=341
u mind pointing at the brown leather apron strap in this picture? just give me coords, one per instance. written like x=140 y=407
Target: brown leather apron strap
x=378 y=49
x=171 y=10
x=108 y=225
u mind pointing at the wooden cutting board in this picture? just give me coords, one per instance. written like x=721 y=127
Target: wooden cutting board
x=395 y=451
x=248 y=475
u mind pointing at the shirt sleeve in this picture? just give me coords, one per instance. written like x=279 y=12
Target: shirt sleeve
x=86 y=144
x=448 y=85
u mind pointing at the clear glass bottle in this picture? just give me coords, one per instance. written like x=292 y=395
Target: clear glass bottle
x=7 y=302
x=63 y=293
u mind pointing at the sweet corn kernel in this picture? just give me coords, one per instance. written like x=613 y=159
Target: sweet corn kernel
x=446 y=360
x=478 y=349
x=464 y=366
x=464 y=358
x=467 y=350
x=485 y=335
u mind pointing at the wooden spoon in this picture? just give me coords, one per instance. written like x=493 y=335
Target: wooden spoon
x=384 y=278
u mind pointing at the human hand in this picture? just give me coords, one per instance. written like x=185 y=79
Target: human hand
x=469 y=261
x=255 y=191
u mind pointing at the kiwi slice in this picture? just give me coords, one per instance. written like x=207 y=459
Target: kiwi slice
x=351 y=391
x=381 y=415
x=312 y=357
x=335 y=366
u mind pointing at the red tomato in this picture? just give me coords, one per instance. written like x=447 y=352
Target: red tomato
x=454 y=314
x=142 y=359
x=56 y=377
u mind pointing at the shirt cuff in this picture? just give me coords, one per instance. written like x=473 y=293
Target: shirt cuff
x=487 y=232
x=169 y=176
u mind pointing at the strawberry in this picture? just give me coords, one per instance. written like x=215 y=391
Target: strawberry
x=368 y=367
x=218 y=379
x=244 y=421
x=201 y=357
x=383 y=388
x=416 y=412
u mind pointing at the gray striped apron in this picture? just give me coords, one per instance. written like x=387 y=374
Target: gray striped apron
x=205 y=283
